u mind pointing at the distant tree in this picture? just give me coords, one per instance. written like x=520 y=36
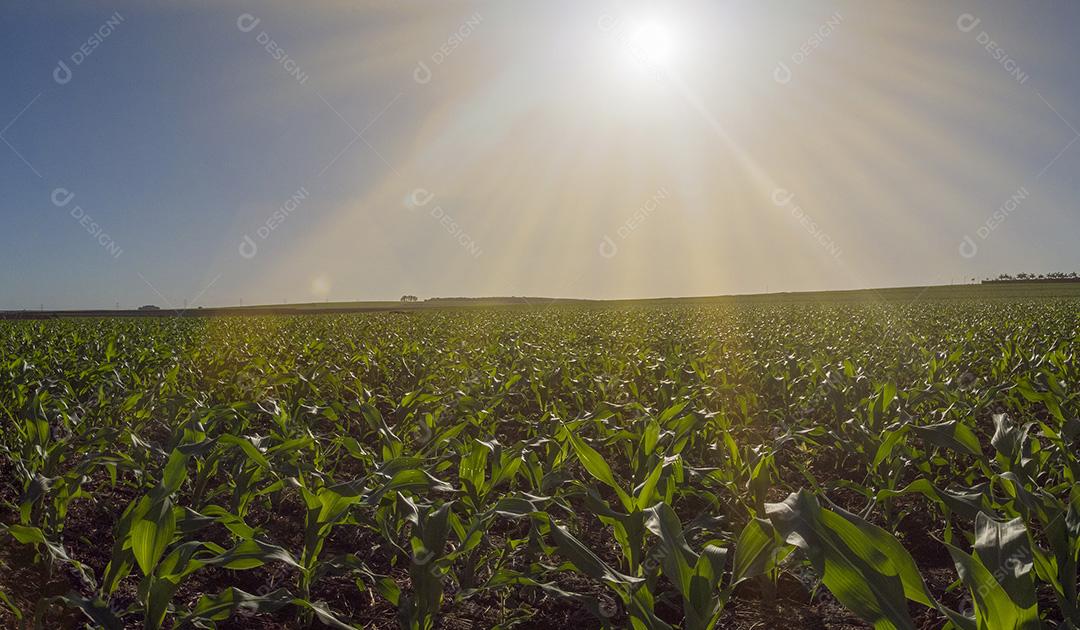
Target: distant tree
x=409 y=298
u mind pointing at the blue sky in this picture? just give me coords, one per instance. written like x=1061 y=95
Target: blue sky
x=609 y=150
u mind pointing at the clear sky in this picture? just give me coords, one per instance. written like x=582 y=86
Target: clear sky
x=215 y=152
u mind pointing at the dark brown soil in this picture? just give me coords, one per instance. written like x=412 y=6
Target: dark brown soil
x=88 y=535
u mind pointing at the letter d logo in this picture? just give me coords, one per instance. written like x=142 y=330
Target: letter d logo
x=781 y=197
x=608 y=248
x=422 y=74
x=967 y=23
x=62 y=197
x=782 y=73
x=248 y=248
x=247 y=22
x=968 y=248
x=419 y=197
x=62 y=73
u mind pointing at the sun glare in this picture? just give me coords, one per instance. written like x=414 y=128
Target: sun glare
x=643 y=44
x=651 y=41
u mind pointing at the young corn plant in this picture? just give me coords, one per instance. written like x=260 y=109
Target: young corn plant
x=145 y=530
x=426 y=529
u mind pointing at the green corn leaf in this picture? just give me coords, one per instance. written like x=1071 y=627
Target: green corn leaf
x=96 y=610
x=953 y=435
x=1001 y=566
x=585 y=560
x=898 y=561
x=181 y=561
x=520 y=506
x=335 y=501
x=152 y=534
x=325 y=617
x=705 y=602
x=671 y=412
x=756 y=551
x=161 y=592
x=994 y=609
x=175 y=472
x=598 y=468
x=640 y=608
x=650 y=437
x=858 y=573
x=26 y=535
x=434 y=528
x=230 y=601
x=966 y=504
x=1004 y=546
x=11 y=606
x=646 y=492
x=249 y=449
x=249 y=554
x=34 y=536
x=642 y=611
x=408 y=480
x=388 y=588
x=696 y=576
x=290 y=446
x=678 y=559
x=191 y=521
x=232 y=522
x=892 y=439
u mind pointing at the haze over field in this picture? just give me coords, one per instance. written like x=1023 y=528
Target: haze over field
x=208 y=153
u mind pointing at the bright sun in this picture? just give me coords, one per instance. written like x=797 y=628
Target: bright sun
x=651 y=41
x=645 y=44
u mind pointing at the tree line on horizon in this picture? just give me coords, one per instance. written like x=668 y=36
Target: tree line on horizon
x=1027 y=277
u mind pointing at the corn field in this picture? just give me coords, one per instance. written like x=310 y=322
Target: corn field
x=693 y=465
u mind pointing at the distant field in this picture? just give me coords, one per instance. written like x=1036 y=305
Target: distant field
x=960 y=291
x=813 y=461
x=964 y=291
